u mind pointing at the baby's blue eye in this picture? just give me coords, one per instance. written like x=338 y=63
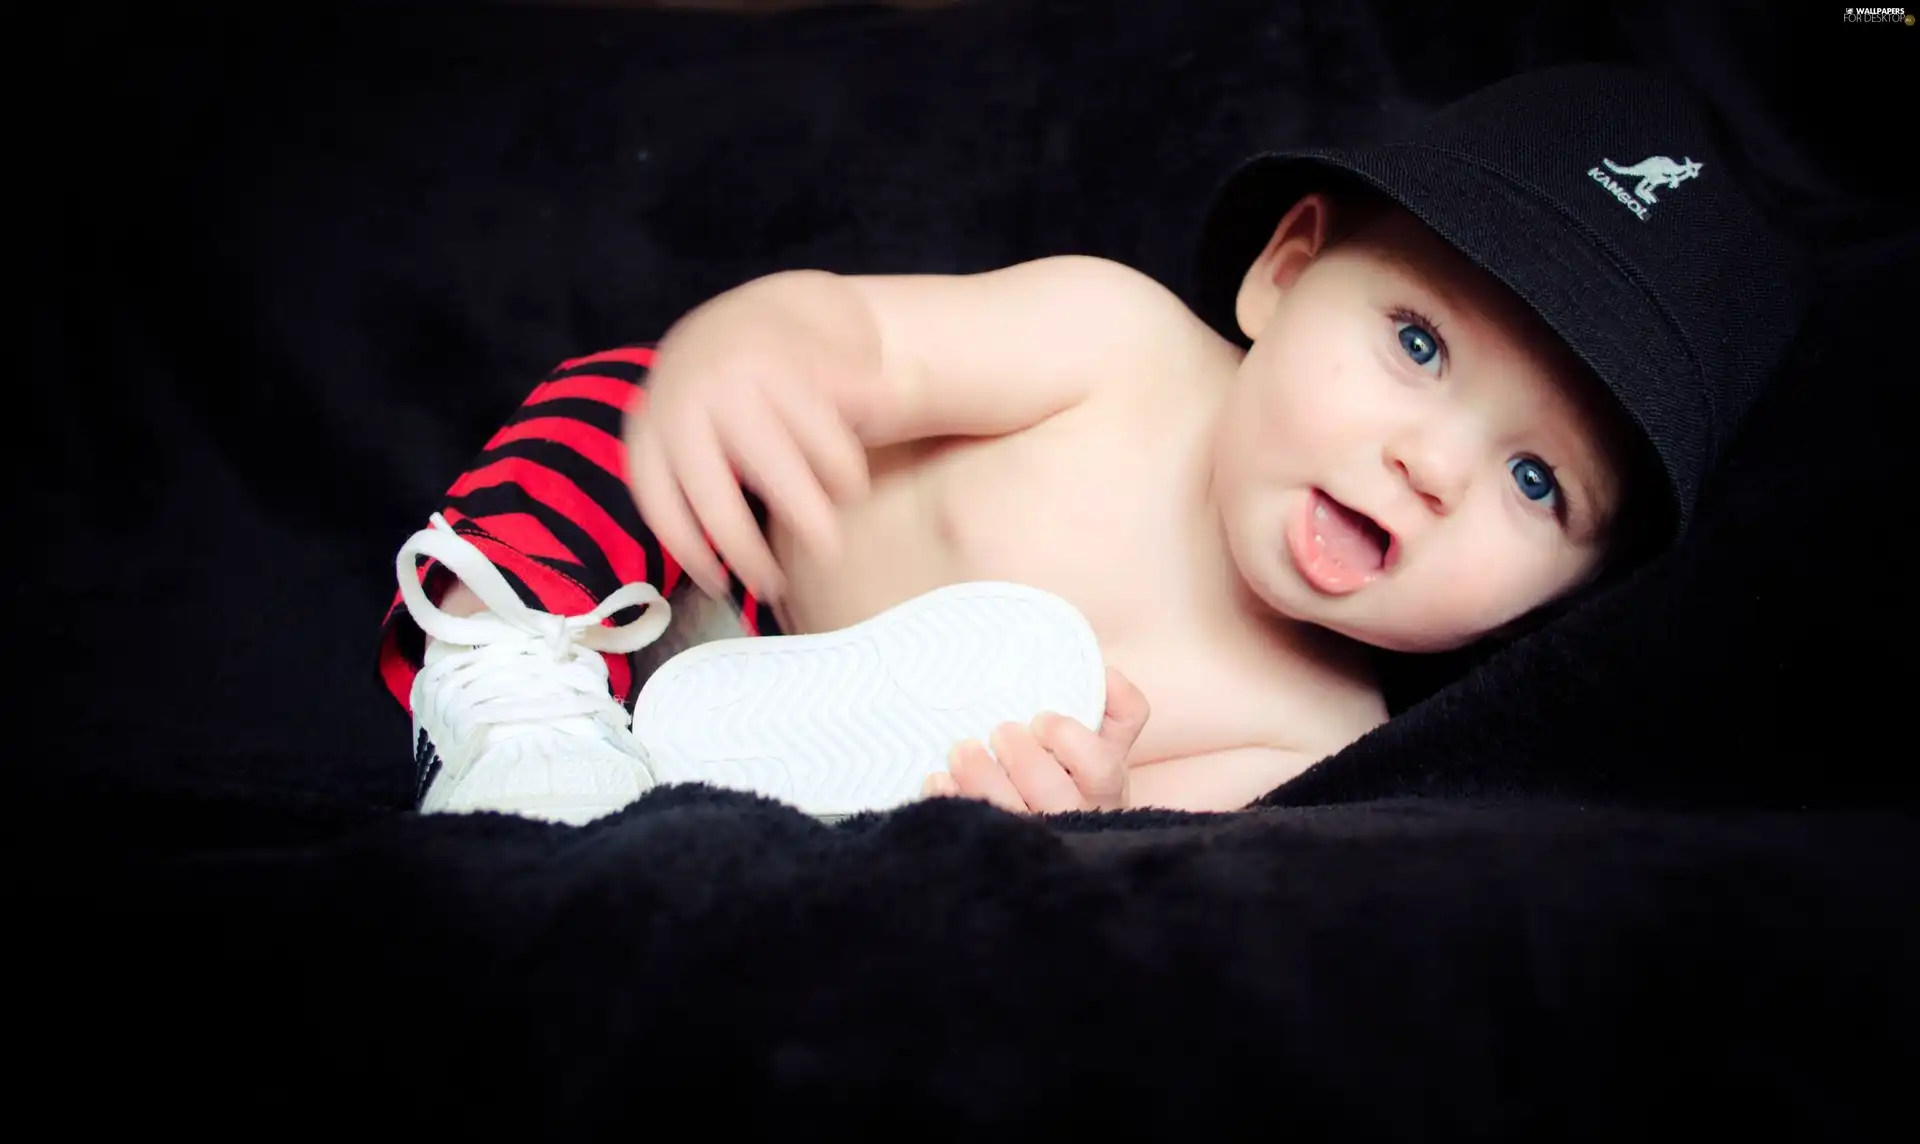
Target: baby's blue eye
x=1534 y=478
x=1419 y=343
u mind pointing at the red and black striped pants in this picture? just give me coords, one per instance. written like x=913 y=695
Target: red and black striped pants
x=547 y=501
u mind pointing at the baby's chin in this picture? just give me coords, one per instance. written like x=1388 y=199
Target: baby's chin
x=1352 y=618
x=1387 y=637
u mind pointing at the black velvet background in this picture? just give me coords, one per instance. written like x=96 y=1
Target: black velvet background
x=286 y=270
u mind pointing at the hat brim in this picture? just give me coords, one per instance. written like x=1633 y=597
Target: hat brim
x=1561 y=273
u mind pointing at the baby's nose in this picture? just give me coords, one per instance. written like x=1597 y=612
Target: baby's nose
x=1436 y=464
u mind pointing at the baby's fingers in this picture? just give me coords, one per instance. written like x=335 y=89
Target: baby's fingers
x=711 y=489
x=976 y=774
x=1043 y=783
x=838 y=458
x=1126 y=713
x=761 y=445
x=1097 y=770
x=665 y=511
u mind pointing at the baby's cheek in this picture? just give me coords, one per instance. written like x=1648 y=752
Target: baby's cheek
x=1479 y=599
x=1438 y=602
x=1330 y=412
x=1292 y=392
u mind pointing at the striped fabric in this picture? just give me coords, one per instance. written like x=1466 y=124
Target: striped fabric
x=547 y=501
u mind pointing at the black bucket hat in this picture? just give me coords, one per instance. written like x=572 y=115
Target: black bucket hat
x=1608 y=199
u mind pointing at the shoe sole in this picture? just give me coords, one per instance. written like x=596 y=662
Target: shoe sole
x=851 y=720
x=575 y=791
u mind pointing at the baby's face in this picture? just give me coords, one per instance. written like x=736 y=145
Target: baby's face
x=1408 y=456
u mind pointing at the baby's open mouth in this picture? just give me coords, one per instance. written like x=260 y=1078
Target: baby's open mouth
x=1350 y=538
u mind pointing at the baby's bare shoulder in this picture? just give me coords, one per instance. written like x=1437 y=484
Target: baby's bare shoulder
x=1105 y=290
x=1122 y=316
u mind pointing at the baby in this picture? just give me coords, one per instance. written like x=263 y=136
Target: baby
x=1433 y=386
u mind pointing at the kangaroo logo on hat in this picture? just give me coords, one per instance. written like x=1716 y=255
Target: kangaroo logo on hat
x=1654 y=171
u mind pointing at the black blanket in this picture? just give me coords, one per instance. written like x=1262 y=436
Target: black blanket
x=1654 y=866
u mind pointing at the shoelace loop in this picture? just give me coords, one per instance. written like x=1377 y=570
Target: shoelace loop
x=490 y=692
x=442 y=543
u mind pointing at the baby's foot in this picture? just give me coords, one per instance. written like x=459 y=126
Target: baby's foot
x=856 y=719
x=511 y=709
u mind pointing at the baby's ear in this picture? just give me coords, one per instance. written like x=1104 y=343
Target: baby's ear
x=1297 y=240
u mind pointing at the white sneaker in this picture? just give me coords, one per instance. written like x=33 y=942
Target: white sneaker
x=512 y=710
x=856 y=719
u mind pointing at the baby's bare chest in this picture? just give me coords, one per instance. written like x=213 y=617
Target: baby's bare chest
x=1096 y=507
x=1080 y=506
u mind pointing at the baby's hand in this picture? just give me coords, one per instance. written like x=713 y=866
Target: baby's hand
x=1053 y=765
x=742 y=394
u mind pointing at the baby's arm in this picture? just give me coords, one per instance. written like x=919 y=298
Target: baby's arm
x=1050 y=772
x=1056 y=765
x=935 y=355
x=1219 y=780
x=783 y=384
x=993 y=353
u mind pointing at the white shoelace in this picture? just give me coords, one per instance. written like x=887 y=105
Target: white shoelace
x=525 y=666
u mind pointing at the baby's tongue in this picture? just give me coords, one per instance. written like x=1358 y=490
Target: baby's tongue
x=1339 y=533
